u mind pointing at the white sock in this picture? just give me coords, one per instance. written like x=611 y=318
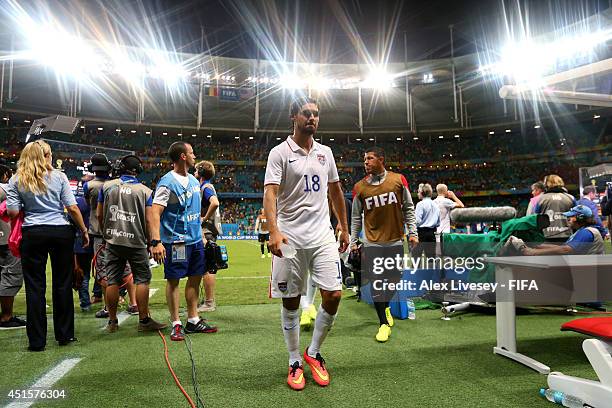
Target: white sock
x=194 y=320
x=323 y=324
x=311 y=291
x=290 y=322
x=174 y=323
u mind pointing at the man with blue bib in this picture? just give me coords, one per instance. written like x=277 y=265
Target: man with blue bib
x=176 y=238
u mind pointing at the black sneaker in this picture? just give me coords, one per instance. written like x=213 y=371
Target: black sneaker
x=200 y=327
x=13 y=323
x=102 y=314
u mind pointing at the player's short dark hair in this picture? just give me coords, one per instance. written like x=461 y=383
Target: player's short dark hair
x=176 y=149
x=298 y=102
x=5 y=171
x=378 y=151
x=589 y=189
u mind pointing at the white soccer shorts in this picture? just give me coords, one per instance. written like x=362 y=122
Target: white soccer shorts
x=290 y=275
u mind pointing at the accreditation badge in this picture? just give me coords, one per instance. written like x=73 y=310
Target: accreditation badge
x=178 y=252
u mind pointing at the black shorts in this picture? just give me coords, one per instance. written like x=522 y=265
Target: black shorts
x=264 y=238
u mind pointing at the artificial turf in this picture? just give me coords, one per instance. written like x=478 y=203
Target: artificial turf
x=426 y=363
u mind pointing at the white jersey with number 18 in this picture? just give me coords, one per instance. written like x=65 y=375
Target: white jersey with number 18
x=301 y=207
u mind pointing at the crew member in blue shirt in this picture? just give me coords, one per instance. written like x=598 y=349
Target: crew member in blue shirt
x=427 y=215
x=176 y=238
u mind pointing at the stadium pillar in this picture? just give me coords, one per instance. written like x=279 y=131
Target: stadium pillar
x=461 y=104
x=450 y=27
x=408 y=102
x=2 y=87
x=200 y=101
x=360 y=110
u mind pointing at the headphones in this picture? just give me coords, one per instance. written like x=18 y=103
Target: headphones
x=102 y=164
x=122 y=165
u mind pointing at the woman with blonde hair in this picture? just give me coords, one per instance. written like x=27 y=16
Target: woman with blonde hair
x=554 y=202
x=45 y=197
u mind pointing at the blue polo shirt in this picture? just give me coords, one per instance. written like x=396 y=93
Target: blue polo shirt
x=46 y=208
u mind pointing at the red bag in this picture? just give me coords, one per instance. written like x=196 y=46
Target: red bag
x=14 y=240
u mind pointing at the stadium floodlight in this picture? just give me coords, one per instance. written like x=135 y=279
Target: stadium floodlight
x=116 y=130
x=320 y=83
x=536 y=127
x=508 y=130
x=596 y=116
x=457 y=136
x=165 y=133
x=147 y=132
x=292 y=81
x=491 y=132
x=209 y=136
x=179 y=134
x=237 y=137
x=5 y=119
x=415 y=138
x=441 y=137
x=26 y=121
x=250 y=137
x=100 y=129
x=193 y=135
x=278 y=138
x=65 y=53
x=132 y=131
x=331 y=139
x=378 y=78
x=82 y=126
x=527 y=61
x=358 y=139
x=399 y=139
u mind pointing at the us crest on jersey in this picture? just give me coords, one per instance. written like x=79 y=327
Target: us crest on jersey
x=322 y=159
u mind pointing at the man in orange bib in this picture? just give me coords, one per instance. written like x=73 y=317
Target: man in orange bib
x=382 y=200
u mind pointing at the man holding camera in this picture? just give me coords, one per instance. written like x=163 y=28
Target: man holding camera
x=124 y=204
x=211 y=229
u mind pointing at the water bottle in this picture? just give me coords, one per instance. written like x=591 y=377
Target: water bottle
x=560 y=398
x=411 y=309
x=572 y=402
x=288 y=251
x=552 y=395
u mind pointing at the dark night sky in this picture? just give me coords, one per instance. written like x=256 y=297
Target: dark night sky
x=325 y=28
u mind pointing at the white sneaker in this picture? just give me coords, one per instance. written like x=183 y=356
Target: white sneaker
x=207 y=307
x=269 y=255
x=262 y=256
x=152 y=263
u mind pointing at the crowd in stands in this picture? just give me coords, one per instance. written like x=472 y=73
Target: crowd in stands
x=501 y=161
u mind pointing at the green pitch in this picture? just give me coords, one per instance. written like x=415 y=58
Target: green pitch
x=426 y=363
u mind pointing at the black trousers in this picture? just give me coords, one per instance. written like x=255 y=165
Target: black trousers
x=427 y=242
x=38 y=242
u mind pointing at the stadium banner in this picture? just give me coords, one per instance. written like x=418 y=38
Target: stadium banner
x=237 y=237
x=229 y=94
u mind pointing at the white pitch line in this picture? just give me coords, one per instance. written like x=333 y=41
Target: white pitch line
x=122 y=317
x=47 y=381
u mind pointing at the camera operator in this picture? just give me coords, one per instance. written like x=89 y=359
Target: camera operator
x=124 y=204
x=211 y=229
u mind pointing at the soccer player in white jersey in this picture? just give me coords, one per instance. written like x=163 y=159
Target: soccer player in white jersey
x=299 y=174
